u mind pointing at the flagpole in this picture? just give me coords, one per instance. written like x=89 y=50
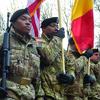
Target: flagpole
x=59 y=13
x=60 y=25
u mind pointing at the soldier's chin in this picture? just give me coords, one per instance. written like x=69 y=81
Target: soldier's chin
x=26 y=31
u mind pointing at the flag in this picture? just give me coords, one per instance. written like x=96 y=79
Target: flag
x=82 y=24
x=34 y=11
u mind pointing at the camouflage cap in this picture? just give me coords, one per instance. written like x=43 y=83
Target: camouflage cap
x=48 y=21
x=17 y=14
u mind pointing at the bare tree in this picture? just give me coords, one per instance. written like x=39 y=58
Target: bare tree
x=15 y=5
x=98 y=42
x=97 y=22
x=46 y=10
x=97 y=5
x=2 y=23
x=67 y=15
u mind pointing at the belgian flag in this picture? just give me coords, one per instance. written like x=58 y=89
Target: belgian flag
x=82 y=24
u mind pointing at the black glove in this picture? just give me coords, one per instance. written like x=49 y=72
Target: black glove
x=61 y=33
x=65 y=78
x=88 y=79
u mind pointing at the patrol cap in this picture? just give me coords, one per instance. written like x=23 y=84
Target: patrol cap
x=17 y=14
x=71 y=41
x=95 y=50
x=48 y=21
x=90 y=52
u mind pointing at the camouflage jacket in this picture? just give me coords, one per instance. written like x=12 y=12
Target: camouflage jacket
x=74 y=66
x=95 y=89
x=97 y=72
x=24 y=67
x=51 y=65
x=82 y=64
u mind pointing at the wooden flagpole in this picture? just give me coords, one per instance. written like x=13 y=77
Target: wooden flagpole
x=60 y=25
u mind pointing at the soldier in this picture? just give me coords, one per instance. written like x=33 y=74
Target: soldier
x=88 y=79
x=76 y=65
x=25 y=61
x=72 y=90
x=97 y=68
x=51 y=59
x=95 y=87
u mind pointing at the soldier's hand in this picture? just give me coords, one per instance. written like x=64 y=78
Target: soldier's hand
x=60 y=33
x=65 y=78
x=89 y=79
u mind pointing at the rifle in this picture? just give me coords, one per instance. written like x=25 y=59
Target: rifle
x=6 y=60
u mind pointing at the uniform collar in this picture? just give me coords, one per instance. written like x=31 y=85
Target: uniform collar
x=23 y=38
x=44 y=36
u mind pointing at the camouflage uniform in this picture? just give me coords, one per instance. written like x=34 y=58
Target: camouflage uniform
x=97 y=72
x=74 y=91
x=81 y=70
x=51 y=65
x=24 y=68
x=95 y=89
x=81 y=65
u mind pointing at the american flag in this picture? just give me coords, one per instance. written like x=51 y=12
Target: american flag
x=34 y=11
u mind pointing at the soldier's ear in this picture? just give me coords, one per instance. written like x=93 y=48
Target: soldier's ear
x=44 y=29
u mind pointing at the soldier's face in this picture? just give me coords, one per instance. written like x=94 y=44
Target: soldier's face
x=52 y=28
x=95 y=57
x=23 y=24
x=73 y=48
